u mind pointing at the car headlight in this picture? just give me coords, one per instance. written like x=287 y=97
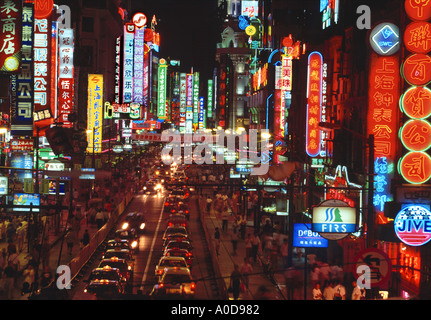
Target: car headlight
x=125 y=226
x=145 y=188
x=142 y=226
x=134 y=244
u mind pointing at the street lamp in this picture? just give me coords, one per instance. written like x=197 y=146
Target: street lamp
x=326 y=126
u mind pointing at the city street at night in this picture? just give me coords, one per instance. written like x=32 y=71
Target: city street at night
x=207 y=158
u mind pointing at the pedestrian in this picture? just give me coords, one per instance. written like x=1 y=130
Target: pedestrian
x=85 y=238
x=290 y=276
x=209 y=202
x=284 y=252
x=242 y=226
x=100 y=218
x=70 y=241
x=358 y=293
x=217 y=240
x=46 y=278
x=234 y=240
x=20 y=235
x=29 y=277
x=328 y=291
x=246 y=271
x=9 y=280
x=339 y=291
x=235 y=282
x=317 y=293
x=255 y=243
x=10 y=232
x=248 y=246
x=225 y=218
x=325 y=271
x=314 y=275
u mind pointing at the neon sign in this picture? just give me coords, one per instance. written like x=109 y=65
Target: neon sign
x=129 y=35
x=10 y=38
x=383 y=100
x=385 y=39
x=95 y=113
x=416 y=69
x=66 y=80
x=415 y=167
x=416 y=102
x=138 y=67
x=418 y=10
x=416 y=135
x=161 y=101
x=417 y=37
x=413 y=225
x=314 y=104
x=183 y=101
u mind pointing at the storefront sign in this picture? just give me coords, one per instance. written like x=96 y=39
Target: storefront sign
x=314 y=104
x=418 y=10
x=10 y=37
x=416 y=135
x=138 y=65
x=417 y=37
x=304 y=237
x=128 y=52
x=416 y=102
x=21 y=145
x=334 y=217
x=413 y=225
x=66 y=79
x=415 y=167
x=416 y=69
x=95 y=113
x=161 y=101
x=385 y=39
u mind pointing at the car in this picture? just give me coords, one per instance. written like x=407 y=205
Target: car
x=165 y=262
x=134 y=220
x=179 y=244
x=125 y=254
x=129 y=235
x=175 y=230
x=181 y=208
x=120 y=243
x=107 y=272
x=120 y=264
x=178 y=220
x=188 y=256
x=175 y=237
x=104 y=289
x=169 y=204
x=177 y=282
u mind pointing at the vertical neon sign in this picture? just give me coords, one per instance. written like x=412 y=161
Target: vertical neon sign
x=138 y=66
x=314 y=104
x=129 y=34
x=95 y=113
x=183 y=101
x=65 y=75
x=210 y=98
x=161 y=101
x=189 y=104
x=415 y=134
x=383 y=96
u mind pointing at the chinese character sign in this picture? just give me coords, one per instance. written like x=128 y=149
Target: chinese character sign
x=314 y=104
x=95 y=113
x=10 y=37
x=65 y=75
x=195 y=100
x=22 y=87
x=138 y=75
x=129 y=35
x=383 y=97
x=189 y=104
x=161 y=92
x=183 y=101
x=42 y=64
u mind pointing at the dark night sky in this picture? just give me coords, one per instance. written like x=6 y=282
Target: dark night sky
x=188 y=31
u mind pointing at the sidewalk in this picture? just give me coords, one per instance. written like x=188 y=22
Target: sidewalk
x=259 y=279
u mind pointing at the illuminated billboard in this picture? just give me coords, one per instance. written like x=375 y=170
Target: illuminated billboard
x=412 y=225
x=183 y=101
x=10 y=37
x=128 y=52
x=95 y=113
x=65 y=75
x=195 y=101
x=314 y=104
x=138 y=65
x=161 y=101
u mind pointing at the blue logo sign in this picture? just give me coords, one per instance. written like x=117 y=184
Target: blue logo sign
x=304 y=237
x=385 y=39
x=323 y=4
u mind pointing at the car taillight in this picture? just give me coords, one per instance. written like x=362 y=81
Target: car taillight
x=193 y=286
x=160 y=271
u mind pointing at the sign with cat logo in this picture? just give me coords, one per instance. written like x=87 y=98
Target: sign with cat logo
x=334 y=219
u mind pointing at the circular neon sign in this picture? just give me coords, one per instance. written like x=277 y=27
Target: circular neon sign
x=416 y=69
x=417 y=10
x=416 y=102
x=415 y=167
x=417 y=37
x=385 y=39
x=139 y=20
x=412 y=225
x=416 y=135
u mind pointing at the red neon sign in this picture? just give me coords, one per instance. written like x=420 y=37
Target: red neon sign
x=416 y=102
x=314 y=107
x=43 y=8
x=416 y=69
x=416 y=135
x=415 y=167
x=417 y=37
x=10 y=38
x=418 y=9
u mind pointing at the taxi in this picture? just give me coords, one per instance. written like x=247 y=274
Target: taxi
x=175 y=230
x=135 y=221
x=175 y=237
x=105 y=273
x=176 y=282
x=120 y=243
x=180 y=244
x=188 y=256
x=166 y=262
x=120 y=254
x=119 y=264
x=104 y=289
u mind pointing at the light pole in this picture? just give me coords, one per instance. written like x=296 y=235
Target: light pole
x=369 y=141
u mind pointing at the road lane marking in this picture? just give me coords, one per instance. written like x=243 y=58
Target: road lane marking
x=144 y=278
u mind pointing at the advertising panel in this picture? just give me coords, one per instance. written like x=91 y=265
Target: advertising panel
x=65 y=75
x=95 y=113
x=195 y=101
x=183 y=101
x=304 y=237
x=189 y=104
x=128 y=51
x=413 y=225
x=161 y=101
x=22 y=86
x=210 y=97
x=10 y=37
x=314 y=104
x=138 y=65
